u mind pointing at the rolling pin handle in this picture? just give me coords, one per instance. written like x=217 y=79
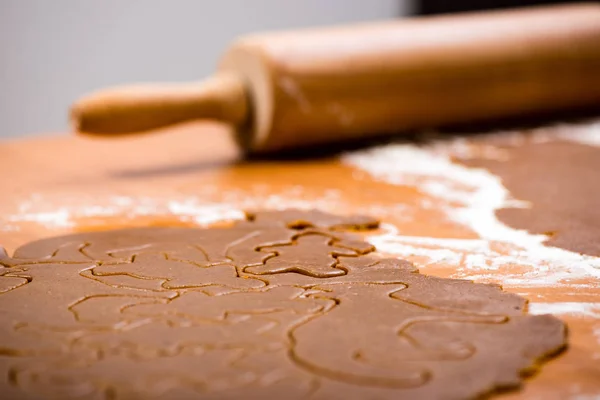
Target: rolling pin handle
x=136 y=108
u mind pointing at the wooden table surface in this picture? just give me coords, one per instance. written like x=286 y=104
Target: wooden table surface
x=436 y=202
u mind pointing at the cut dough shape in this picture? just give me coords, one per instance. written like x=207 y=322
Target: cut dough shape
x=284 y=304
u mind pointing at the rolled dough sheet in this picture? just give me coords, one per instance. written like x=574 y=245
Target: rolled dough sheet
x=284 y=304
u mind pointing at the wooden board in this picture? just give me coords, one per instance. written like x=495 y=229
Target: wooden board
x=437 y=212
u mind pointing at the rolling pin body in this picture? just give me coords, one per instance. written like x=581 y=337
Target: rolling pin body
x=323 y=85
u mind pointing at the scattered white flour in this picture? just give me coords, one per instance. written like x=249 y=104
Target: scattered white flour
x=569 y=308
x=51 y=212
x=587 y=133
x=470 y=197
x=482 y=259
x=129 y=207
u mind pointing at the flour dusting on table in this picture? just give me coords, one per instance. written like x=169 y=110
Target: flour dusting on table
x=63 y=211
x=470 y=197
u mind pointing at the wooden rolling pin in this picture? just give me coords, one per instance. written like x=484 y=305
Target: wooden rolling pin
x=289 y=89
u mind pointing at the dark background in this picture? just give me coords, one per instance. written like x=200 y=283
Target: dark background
x=427 y=7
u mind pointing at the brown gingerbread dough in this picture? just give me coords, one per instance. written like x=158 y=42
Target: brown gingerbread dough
x=283 y=305
x=560 y=181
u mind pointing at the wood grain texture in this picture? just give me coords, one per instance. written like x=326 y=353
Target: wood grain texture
x=327 y=85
